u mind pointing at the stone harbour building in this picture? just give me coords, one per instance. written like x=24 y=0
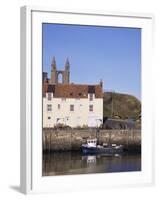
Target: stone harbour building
x=70 y=104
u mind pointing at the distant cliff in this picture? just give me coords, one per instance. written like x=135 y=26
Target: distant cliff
x=121 y=105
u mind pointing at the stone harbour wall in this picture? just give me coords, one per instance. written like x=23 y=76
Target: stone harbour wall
x=67 y=140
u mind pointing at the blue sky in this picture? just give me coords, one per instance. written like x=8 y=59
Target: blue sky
x=109 y=53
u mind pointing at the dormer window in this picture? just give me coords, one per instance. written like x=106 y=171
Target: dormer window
x=84 y=94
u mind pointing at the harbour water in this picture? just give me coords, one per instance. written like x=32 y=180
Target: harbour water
x=74 y=162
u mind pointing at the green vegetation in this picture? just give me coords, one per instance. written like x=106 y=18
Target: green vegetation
x=121 y=105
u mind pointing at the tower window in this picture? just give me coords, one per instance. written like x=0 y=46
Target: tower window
x=71 y=107
x=49 y=117
x=91 y=108
x=49 y=107
x=60 y=77
x=58 y=106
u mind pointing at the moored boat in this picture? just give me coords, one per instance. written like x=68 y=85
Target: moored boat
x=91 y=147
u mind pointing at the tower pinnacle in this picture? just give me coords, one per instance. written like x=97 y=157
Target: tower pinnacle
x=67 y=65
x=53 y=64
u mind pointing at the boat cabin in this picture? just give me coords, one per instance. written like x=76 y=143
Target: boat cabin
x=92 y=142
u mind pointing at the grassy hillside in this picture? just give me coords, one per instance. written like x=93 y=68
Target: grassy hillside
x=123 y=105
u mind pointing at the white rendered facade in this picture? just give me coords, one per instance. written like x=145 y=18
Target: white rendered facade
x=74 y=112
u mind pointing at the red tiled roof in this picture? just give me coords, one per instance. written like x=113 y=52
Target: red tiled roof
x=73 y=90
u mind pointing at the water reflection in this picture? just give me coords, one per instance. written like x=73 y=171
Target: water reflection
x=90 y=159
x=63 y=163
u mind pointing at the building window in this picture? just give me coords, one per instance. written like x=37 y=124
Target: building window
x=49 y=117
x=91 y=96
x=63 y=99
x=71 y=107
x=49 y=107
x=58 y=106
x=90 y=107
x=80 y=107
x=49 y=96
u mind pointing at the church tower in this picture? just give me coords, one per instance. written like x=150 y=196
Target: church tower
x=66 y=76
x=55 y=73
x=53 y=79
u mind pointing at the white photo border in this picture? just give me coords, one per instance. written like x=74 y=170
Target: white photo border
x=32 y=180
